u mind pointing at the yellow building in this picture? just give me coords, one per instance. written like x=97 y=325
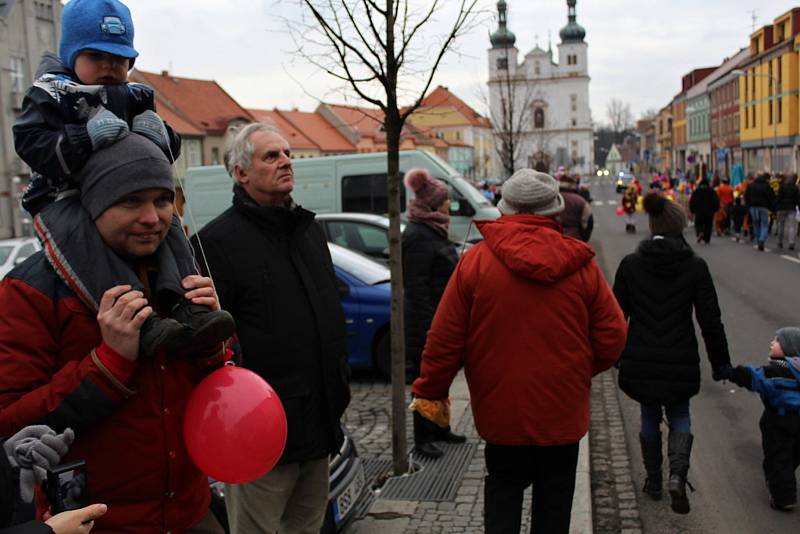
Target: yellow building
x=769 y=113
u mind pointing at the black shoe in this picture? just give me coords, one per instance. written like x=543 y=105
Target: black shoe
x=791 y=247
x=446 y=435
x=780 y=245
x=160 y=333
x=761 y=246
x=205 y=328
x=788 y=507
x=679 y=449
x=653 y=460
x=428 y=450
x=677 y=492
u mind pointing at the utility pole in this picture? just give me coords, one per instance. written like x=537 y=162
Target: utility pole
x=754 y=17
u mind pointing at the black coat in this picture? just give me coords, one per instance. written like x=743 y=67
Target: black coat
x=759 y=194
x=273 y=272
x=704 y=202
x=657 y=286
x=429 y=259
x=788 y=197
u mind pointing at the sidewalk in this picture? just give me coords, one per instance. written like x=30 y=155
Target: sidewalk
x=368 y=421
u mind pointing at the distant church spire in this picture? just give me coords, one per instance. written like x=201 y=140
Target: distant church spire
x=502 y=38
x=572 y=32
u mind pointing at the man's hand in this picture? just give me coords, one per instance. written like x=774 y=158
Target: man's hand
x=76 y=521
x=121 y=315
x=200 y=290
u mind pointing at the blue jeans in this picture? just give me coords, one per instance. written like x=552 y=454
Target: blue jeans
x=759 y=223
x=677 y=419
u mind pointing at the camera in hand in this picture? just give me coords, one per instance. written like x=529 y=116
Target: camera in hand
x=67 y=487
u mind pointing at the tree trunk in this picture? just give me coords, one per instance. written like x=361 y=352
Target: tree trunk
x=393 y=126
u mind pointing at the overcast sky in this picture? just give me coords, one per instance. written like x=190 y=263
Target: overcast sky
x=638 y=49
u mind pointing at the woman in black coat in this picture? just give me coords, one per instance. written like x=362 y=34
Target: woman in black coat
x=657 y=287
x=429 y=259
x=703 y=204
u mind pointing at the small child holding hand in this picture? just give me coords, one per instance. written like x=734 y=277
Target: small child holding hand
x=778 y=383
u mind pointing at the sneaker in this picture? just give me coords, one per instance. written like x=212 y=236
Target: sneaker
x=160 y=333
x=204 y=328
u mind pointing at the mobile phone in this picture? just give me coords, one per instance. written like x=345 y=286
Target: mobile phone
x=67 y=487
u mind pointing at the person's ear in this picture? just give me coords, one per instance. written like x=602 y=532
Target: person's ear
x=239 y=174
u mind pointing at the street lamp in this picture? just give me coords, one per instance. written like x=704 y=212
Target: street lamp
x=740 y=72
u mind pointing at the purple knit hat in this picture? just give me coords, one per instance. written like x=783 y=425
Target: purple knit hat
x=427 y=189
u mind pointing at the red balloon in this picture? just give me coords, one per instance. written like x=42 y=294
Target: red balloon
x=234 y=426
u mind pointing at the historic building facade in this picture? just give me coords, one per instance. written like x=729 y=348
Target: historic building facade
x=541 y=105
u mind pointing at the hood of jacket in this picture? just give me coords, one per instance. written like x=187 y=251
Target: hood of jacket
x=534 y=247
x=664 y=256
x=51 y=64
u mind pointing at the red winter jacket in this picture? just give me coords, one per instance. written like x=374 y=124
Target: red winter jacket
x=129 y=434
x=531 y=318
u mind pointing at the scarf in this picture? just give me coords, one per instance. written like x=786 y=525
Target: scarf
x=422 y=213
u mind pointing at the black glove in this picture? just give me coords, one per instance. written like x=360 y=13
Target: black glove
x=742 y=377
x=721 y=372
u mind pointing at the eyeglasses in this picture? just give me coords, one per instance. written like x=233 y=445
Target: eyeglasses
x=271 y=156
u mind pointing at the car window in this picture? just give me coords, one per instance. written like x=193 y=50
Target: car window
x=459 y=206
x=358 y=236
x=25 y=250
x=5 y=252
x=368 y=193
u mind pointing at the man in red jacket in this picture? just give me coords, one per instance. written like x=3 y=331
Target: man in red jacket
x=64 y=366
x=531 y=319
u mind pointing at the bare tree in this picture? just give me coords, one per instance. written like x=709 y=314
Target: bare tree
x=383 y=52
x=649 y=114
x=619 y=115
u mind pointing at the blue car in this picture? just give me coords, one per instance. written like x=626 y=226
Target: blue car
x=366 y=295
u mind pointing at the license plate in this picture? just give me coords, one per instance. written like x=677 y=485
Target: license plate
x=349 y=497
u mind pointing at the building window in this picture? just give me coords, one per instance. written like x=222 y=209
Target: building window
x=502 y=63
x=16 y=70
x=538 y=118
x=215 y=156
x=44 y=11
x=574 y=122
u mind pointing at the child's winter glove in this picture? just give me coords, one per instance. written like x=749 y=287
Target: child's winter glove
x=721 y=372
x=105 y=128
x=741 y=376
x=150 y=125
x=34 y=449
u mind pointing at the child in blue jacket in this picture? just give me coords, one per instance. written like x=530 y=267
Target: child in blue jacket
x=82 y=102
x=778 y=383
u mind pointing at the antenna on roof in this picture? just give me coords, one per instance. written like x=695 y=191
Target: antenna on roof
x=754 y=17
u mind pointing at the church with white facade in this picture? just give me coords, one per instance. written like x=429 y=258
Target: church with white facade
x=540 y=107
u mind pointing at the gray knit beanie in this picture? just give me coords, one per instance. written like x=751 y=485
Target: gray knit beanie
x=529 y=191
x=131 y=164
x=789 y=338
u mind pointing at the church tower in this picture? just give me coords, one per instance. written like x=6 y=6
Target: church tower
x=503 y=54
x=573 y=50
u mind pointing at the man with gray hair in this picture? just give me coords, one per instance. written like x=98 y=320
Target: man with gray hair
x=530 y=317
x=273 y=272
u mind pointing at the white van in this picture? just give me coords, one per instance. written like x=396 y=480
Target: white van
x=350 y=183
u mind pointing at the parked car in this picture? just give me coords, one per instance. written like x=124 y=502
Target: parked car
x=346 y=483
x=15 y=251
x=364 y=233
x=366 y=301
x=623 y=181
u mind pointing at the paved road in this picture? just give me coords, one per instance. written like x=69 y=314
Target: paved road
x=758 y=293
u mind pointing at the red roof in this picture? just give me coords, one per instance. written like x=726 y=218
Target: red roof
x=202 y=102
x=297 y=139
x=441 y=96
x=319 y=131
x=178 y=123
x=367 y=122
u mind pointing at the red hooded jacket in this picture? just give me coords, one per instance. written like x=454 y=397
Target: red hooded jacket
x=531 y=318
